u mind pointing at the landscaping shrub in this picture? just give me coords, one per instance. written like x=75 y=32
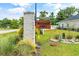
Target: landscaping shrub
x=64 y=28
x=25 y=47
x=37 y=31
x=20 y=32
x=77 y=37
x=69 y=37
x=41 y=32
x=63 y=35
x=56 y=37
x=59 y=27
x=73 y=29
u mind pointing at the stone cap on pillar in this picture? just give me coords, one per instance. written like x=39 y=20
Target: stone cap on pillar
x=28 y=12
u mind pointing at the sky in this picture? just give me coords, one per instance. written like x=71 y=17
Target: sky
x=16 y=10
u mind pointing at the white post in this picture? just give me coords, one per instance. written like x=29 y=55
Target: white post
x=29 y=26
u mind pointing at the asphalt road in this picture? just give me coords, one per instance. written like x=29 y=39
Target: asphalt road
x=7 y=31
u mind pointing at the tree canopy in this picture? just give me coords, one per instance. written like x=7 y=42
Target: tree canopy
x=65 y=13
x=52 y=18
x=61 y=15
x=43 y=14
x=11 y=23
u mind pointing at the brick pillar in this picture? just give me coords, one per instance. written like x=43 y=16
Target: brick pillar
x=29 y=26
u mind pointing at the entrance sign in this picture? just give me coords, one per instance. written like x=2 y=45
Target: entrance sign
x=29 y=26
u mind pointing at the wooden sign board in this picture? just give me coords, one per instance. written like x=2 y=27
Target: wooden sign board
x=43 y=24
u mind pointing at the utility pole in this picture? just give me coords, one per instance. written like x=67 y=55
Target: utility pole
x=35 y=11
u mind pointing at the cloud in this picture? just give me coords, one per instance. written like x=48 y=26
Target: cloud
x=7 y=14
x=17 y=10
x=75 y=4
x=14 y=12
x=55 y=7
x=22 y=4
x=22 y=7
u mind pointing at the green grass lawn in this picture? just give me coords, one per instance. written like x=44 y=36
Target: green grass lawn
x=6 y=35
x=7 y=43
x=61 y=50
x=11 y=45
x=8 y=46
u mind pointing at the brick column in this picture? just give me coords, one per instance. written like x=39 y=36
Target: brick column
x=29 y=26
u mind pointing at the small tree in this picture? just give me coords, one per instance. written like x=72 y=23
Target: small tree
x=52 y=19
x=43 y=15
